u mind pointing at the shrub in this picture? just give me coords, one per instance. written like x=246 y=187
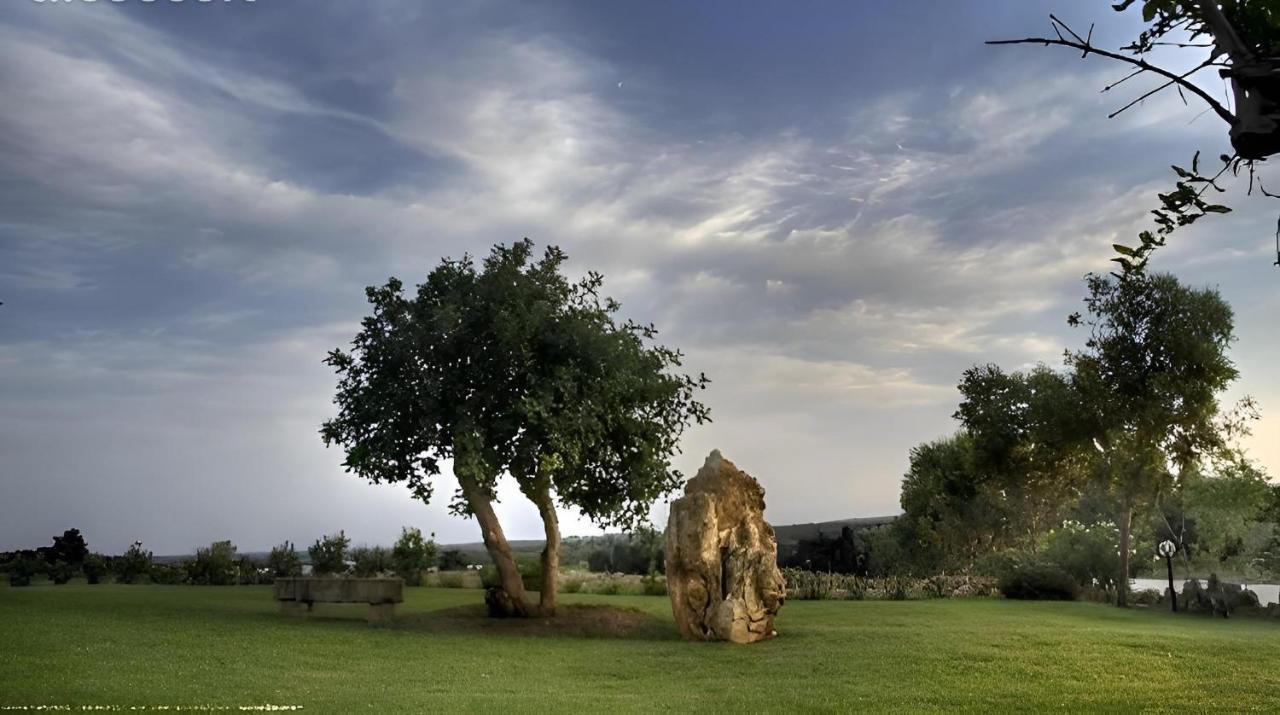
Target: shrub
x=608 y=587
x=329 y=554
x=284 y=561
x=453 y=560
x=1146 y=597
x=95 y=568
x=531 y=574
x=412 y=555
x=253 y=573
x=809 y=585
x=61 y=572
x=655 y=585
x=370 y=561
x=489 y=576
x=214 y=565
x=1086 y=552
x=134 y=565
x=453 y=579
x=21 y=570
x=1036 y=578
x=167 y=574
x=570 y=585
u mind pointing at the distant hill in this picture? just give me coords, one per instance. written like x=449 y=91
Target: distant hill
x=788 y=536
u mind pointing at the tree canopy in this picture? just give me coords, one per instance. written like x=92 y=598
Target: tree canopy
x=511 y=368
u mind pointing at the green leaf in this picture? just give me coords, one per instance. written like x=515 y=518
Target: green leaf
x=1125 y=250
x=1217 y=209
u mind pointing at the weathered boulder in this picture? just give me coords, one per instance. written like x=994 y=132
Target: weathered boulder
x=722 y=557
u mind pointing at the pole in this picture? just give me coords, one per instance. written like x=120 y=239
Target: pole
x=1173 y=595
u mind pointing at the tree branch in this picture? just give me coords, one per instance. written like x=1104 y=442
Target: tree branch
x=1087 y=47
x=1164 y=86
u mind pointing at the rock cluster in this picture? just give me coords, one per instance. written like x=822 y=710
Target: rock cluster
x=722 y=557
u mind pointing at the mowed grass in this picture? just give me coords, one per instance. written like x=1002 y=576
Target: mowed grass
x=174 y=645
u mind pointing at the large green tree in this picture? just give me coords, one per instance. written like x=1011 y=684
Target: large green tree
x=511 y=368
x=953 y=511
x=1149 y=379
x=1026 y=429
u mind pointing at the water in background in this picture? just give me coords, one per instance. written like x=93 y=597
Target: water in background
x=1267 y=592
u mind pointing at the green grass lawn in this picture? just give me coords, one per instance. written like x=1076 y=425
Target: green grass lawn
x=175 y=645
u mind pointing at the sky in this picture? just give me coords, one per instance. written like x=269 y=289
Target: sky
x=833 y=208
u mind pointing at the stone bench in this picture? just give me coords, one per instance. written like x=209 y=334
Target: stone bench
x=298 y=596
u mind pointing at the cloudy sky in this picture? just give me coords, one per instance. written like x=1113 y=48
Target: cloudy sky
x=832 y=207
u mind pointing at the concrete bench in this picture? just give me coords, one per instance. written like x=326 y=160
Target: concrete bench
x=298 y=596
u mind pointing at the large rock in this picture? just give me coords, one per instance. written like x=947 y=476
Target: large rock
x=722 y=557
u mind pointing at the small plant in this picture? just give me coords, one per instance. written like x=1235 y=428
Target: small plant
x=1033 y=577
x=283 y=561
x=61 y=572
x=412 y=555
x=167 y=574
x=572 y=585
x=214 y=565
x=453 y=579
x=608 y=587
x=370 y=561
x=531 y=574
x=654 y=584
x=21 y=570
x=134 y=565
x=95 y=568
x=329 y=554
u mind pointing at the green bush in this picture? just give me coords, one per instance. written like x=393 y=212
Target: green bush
x=167 y=574
x=214 y=565
x=134 y=565
x=608 y=587
x=253 y=573
x=1146 y=597
x=61 y=572
x=370 y=561
x=489 y=576
x=809 y=585
x=21 y=570
x=1033 y=577
x=1086 y=552
x=284 y=561
x=95 y=568
x=570 y=585
x=412 y=555
x=329 y=555
x=655 y=585
x=453 y=579
x=531 y=573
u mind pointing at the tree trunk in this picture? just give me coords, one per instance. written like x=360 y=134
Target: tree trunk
x=1255 y=133
x=495 y=542
x=550 y=552
x=1126 y=527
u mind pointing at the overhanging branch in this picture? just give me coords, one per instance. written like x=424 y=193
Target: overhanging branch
x=1086 y=46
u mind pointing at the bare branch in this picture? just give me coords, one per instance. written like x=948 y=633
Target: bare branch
x=1166 y=85
x=1086 y=47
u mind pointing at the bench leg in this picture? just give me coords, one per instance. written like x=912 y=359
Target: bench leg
x=295 y=608
x=381 y=612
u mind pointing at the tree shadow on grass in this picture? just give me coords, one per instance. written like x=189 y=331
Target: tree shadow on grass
x=573 y=621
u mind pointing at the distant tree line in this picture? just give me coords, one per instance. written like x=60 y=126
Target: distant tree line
x=219 y=564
